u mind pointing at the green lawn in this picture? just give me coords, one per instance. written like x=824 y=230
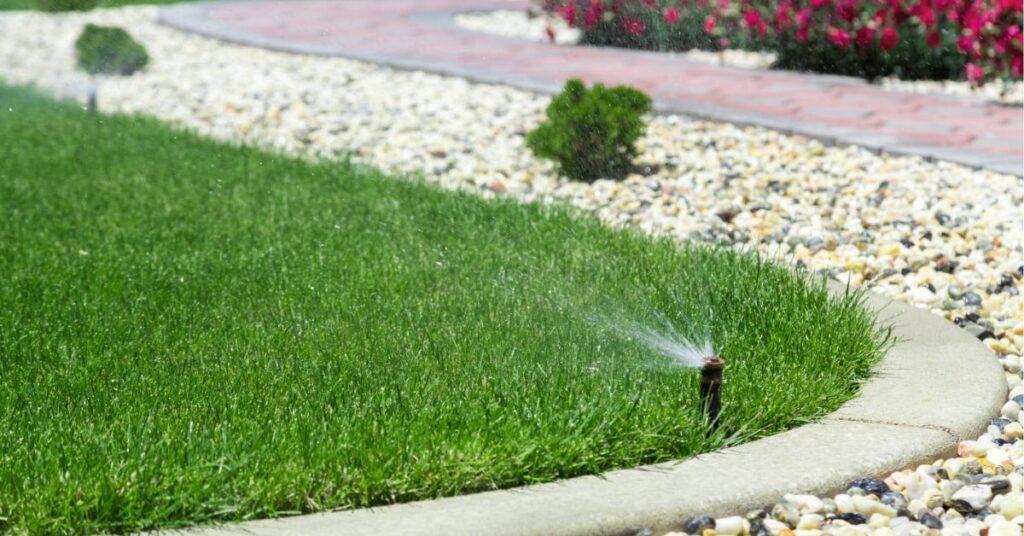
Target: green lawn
x=33 y=4
x=193 y=331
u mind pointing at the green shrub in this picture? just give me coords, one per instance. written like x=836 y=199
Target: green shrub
x=109 y=50
x=591 y=133
x=66 y=5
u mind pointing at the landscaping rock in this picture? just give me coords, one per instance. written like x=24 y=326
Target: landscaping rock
x=698 y=524
x=870 y=485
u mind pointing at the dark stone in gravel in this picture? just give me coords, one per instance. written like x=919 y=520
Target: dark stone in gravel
x=907 y=243
x=999 y=484
x=697 y=524
x=946 y=267
x=973 y=317
x=1019 y=399
x=726 y=216
x=972 y=298
x=852 y=518
x=943 y=219
x=757 y=527
x=929 y=520
x=894 y=499
x=870 y=485
x=963 y=508
x=960 y=321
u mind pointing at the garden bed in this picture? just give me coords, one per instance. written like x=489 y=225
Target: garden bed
x=212 y=332
x=521 y=24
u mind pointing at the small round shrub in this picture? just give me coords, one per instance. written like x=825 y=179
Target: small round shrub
x=66 y=5
x=591 y=133
x=109 y=50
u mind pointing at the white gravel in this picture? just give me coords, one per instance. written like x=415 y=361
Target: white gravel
x=533 y=26
x=939 y=235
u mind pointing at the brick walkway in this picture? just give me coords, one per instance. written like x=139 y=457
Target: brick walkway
x=420 y=34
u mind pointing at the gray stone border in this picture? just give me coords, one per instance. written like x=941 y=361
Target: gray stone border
x=193 y=18
x=938 y=386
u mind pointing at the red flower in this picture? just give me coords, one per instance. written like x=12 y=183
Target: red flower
x=818 y=4
x=752 y=18
x=969 y=45
x=933 y=39
x=889 y=39
x=783 y=14
x=569 y=14
x=649 y=3
x=632 y=26
x=865 y=35
x=804 y=17
x=671 y=15
x=709 y=24
x=840 y=38
x=847 y=10
x=924 y=13
x=593 y=14
x=974 y=73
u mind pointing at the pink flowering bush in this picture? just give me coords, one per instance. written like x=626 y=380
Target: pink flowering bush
x=935 y=39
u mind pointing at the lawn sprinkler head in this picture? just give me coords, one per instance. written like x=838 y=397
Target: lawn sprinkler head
x=711 y=389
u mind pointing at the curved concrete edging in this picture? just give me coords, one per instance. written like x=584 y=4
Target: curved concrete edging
x=938 y=386
x=421 y=35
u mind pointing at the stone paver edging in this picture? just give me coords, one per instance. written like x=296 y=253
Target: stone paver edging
x=939 y=385
x=421 y=35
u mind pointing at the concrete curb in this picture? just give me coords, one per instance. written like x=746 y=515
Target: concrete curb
x=194 y=18
x=940 y=385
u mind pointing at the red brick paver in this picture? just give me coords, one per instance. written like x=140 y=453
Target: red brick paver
x=420 y=34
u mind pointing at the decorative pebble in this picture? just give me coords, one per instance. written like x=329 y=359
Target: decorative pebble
x=698 y=524
x=870 y=485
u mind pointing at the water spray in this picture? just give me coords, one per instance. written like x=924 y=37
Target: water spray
x=711 y=389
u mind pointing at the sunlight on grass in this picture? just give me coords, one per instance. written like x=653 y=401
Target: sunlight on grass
x=194 y=331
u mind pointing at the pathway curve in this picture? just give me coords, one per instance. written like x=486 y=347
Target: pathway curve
x=421 y=34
